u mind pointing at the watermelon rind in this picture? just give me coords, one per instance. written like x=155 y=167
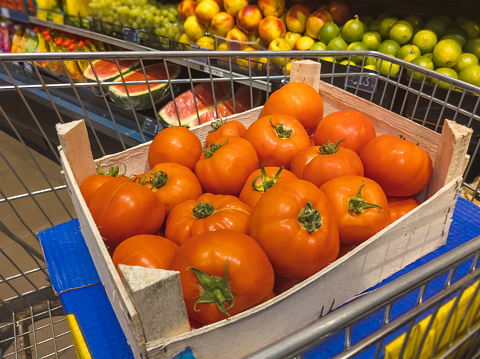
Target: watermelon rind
x=125 y=66
x=186 y=106
x=141 y=100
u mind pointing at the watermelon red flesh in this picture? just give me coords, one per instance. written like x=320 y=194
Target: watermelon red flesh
x=108 y=69
x=139 y=93
x=242 y=103
x=185 y=104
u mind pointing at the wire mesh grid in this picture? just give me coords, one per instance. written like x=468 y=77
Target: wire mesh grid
x=38 y=90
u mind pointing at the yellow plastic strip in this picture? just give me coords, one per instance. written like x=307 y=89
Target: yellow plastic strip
x=78 y=341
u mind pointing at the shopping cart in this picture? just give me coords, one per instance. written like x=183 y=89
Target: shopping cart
x=33 y=98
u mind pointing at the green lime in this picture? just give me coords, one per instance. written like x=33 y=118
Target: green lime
x=318 y=46
x=367 y=19
x=385 y=25
x=447 y=71
x=401 y=32
x=328 y=32
x=414 y=20
x=472 y=29
x=387 y=68
x=389 y=47
x=384 y=15
x=353 y=30
x=473 y=47
x=373 y=26
x=470 y=74
x=423 y=61
x=408 y=52
x=425 y=40
x=348 y=62
x=327 y=58
x=370 y=67
x=446 y=53
x=458 y=33
x=447 y=19
x=465 y=59
x=357 y=46
x=370 y=61
x=337 y=44
x=372 y=40
x=437 y=25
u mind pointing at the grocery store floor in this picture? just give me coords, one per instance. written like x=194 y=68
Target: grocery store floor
x=22 y=270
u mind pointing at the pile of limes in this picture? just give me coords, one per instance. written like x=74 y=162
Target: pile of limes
x=450 y=46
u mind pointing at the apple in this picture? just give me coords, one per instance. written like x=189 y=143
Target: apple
x=234 y=6
x=318 y=46
x=288 y=67
x=206 y=10
x=315 y=21
x=279 y=44
x=292 y=38
x=271 y=7
x=304 y=43
x=222 y=23
x=283 y=15
x=248 y=19
x=296 y=18
x=186 y=8
x=238 y=39
x=185 y=39
x=271 y=28
x=341 y=10
x=244 y=61
x=206 y=42
x=193 y=28
x=223 y=47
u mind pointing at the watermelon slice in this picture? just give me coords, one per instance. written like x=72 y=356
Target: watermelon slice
x=185 y=104
x=107 y=70
x=140 y=93
x=242 y=103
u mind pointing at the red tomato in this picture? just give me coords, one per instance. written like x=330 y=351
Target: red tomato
x=225 y=165
x=344 y=249
x=173 y=184
x=175 y=144
x=298 y=100
x=319 y=164
x=122 y=209
x=260 y=181
x=283 y=284
x=223 y=273
x=360 y=206
x=208 y=213
x=269 y=296
x=145 y=250
x=353 y=126
x=91 y=183
x=222 y=128
x=402 y=168
x=400 y=206
x=277 y=139
x=294 y=223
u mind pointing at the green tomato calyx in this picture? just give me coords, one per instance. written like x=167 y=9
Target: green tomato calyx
x=310 y=218
x=216 y=125
x=212 y=149
x=203 y=210
x=113 y=171
x=330 y=148
x=266 y=182
x=158 y=179
x=216 y=290
x=358 y=205
x=281 y=131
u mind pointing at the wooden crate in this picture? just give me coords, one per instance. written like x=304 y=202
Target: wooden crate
x=419 y=232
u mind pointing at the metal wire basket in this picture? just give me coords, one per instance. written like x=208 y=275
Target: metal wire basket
x=34 y=97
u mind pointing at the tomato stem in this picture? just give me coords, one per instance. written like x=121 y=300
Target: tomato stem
x=203 y=210
x=113 y=171
x=266 y=182
x=358 y=205
x=216 y=291
x=310 y=218
x=217 y=124
x=212 y=149
x=158 y=179
x=330 y=148
x=281 y=131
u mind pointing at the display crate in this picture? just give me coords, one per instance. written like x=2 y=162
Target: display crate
x=419 y=232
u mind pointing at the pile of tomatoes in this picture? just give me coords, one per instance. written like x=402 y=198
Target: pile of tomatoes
x=259 y=209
